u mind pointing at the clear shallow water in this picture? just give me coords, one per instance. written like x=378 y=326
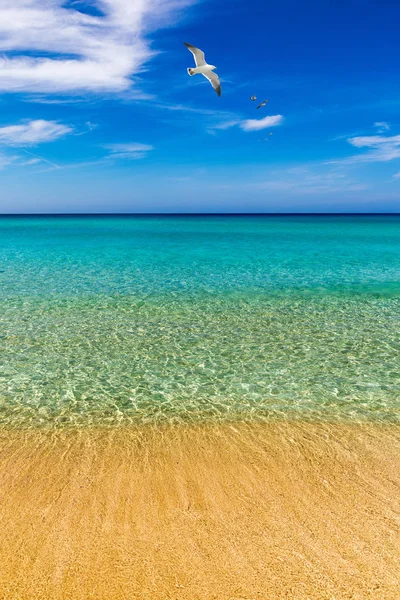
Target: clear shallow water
x=108 y=320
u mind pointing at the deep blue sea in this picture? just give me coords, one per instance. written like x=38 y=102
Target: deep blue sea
x=132 y=319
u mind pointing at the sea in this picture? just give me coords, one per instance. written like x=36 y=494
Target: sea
x=122 y=319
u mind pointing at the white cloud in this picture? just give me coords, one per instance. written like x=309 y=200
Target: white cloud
x=131 y=150
x=32 y=132
x=396 y=175
x=232 y=120
x=51 y=46
x=257 y=124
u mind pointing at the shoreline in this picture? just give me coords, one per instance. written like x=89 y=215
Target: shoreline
x=227 y=511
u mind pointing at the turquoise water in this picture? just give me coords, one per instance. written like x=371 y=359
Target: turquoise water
x=107 y=320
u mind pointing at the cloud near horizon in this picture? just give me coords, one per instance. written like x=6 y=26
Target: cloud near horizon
x=309 y=180
x=31 y=133
x=62 y=47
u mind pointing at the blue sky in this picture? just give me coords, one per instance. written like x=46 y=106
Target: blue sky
x=98 y=113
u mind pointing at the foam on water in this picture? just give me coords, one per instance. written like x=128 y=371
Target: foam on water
x=117 y=320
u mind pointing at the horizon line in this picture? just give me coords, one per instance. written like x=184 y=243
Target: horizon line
x=201 y=214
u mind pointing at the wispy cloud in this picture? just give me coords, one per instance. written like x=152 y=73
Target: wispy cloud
x=31 y=133
x=382 y=126
x=187 y=108
x=131 y=151
x=39 y=159
x=396 y=175
x=247 y=125
x=57 y=47
x=91 y=126
x=379 y=126
x=378 y=148
x=374 y=141
x=214 y=119
x=381 y=148
x=5 y=160
x=88 y=127
x=213 y=128
x=257 y=124
x=316 y=180
x=32 y=161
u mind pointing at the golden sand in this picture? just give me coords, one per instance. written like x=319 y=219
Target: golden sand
x=277 y=511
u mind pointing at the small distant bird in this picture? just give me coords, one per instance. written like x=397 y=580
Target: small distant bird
x=263 y=103
x=272 y=133
x=203 y=68
x=253 y=98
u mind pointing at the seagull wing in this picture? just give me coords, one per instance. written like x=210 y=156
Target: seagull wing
x=198 y=54
x=214 y=80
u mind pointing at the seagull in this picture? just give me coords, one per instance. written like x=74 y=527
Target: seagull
x=263 y=103
x=203 y=68
x=253 y=98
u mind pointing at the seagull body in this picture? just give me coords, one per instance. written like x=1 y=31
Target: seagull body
x=253 y=98
x=203 y=68
x=263 y=103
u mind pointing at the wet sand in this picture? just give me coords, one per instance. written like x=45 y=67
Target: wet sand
x=222 y=512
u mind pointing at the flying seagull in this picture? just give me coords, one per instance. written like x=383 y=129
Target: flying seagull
x=263 y=103
x=253 y=98
x=203 y=68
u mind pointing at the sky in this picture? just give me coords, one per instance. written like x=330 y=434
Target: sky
x=98 y=113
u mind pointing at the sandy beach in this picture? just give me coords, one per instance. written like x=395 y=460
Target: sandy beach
x=223 y=512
